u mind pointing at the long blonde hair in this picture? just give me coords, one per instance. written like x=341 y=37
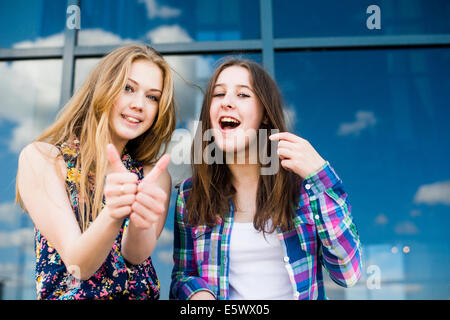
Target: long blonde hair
x=86 y=117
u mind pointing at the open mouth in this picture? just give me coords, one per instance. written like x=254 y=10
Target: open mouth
x=131 y=119
x=229 y=123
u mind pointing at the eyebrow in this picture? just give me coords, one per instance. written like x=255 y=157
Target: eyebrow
x=238 y=85
x=137 y=83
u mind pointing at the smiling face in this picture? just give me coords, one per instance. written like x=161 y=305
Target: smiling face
x=136 y=107
x=235 y=110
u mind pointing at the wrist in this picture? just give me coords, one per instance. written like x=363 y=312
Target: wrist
x=107 y=218
x=315 y=169
x=137 y=243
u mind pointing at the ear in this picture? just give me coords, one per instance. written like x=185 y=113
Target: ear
x=265 y=120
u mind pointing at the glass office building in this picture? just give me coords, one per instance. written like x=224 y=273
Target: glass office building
x=367 y=82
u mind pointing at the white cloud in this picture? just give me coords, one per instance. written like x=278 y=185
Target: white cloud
x=30 y=96
x=435 y=193
x=17 y=238
x=364 y=119
x=165 y=238
x=9 y=213
x=167 y=34
x=55 y=40
x=9 y=273
x=381 y=219
x=155 y=10
x=406 y=228
x=166 y=256
x=415 y=213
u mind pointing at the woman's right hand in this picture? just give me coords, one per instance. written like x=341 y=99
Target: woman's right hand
x=120 y=186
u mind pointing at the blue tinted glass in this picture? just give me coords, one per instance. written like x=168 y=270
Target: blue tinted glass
x=381 y=119
x=350 y=18
x=158 y=21
x=32 y=23
x=30 y=96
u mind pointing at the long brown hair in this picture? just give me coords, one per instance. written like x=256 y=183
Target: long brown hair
x=86 y=117
x=212 y=189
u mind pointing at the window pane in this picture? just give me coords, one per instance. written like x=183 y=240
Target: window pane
x=161 y=21
x=381 y=119
x=349 y=18
x=32 y=23
x=30 y=95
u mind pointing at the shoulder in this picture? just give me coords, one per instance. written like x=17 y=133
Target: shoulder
x=185 y=185
x=38 y=151
x=41 y=156
x=184 y=188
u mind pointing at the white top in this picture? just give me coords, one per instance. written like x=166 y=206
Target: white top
x=258 y=270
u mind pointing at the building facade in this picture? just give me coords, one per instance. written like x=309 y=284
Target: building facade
x=366 y=82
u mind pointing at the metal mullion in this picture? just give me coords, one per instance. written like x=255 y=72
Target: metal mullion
x=68 y=70
x=178 y=48
x=8 y=54
x=367 y=42
x=266 y=22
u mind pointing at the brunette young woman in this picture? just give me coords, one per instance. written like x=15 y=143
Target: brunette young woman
x=242 y=234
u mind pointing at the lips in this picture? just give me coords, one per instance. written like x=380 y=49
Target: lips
x=132 y=118
x=228 y=123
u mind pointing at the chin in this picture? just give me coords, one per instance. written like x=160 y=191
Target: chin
x=230 y=145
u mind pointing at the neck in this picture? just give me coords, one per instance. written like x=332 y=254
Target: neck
x=245 y=180
x=244 y=175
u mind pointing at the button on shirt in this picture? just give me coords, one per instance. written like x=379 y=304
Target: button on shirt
x=324 y=234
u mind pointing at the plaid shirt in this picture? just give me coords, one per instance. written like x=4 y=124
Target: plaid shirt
x=324 y=234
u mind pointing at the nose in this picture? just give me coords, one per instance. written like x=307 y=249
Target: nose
x=138 y=102
x=228 y=102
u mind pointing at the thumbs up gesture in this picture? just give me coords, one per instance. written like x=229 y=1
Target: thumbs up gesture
x=151 y=199
x=144 y=203
x=120 y=186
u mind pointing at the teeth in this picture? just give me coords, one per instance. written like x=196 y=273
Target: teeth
x=227 y=119
x=134 y=120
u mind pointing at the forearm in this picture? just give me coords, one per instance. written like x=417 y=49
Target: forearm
x=334 y=223
x=88 y=252
x=138 y=244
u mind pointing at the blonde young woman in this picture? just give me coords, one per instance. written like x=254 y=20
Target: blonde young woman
x=93 y=187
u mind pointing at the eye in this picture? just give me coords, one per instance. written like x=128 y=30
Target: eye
x=153 y=98
x=128 y=88
x=243 y=95
x=218 y=94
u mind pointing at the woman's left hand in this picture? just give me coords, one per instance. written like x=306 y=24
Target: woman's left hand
x=297 y=154
x=151 y=199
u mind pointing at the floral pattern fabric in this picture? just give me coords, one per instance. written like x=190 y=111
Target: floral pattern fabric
x=116 y=279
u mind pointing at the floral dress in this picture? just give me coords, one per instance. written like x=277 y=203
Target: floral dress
x=115 y=279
